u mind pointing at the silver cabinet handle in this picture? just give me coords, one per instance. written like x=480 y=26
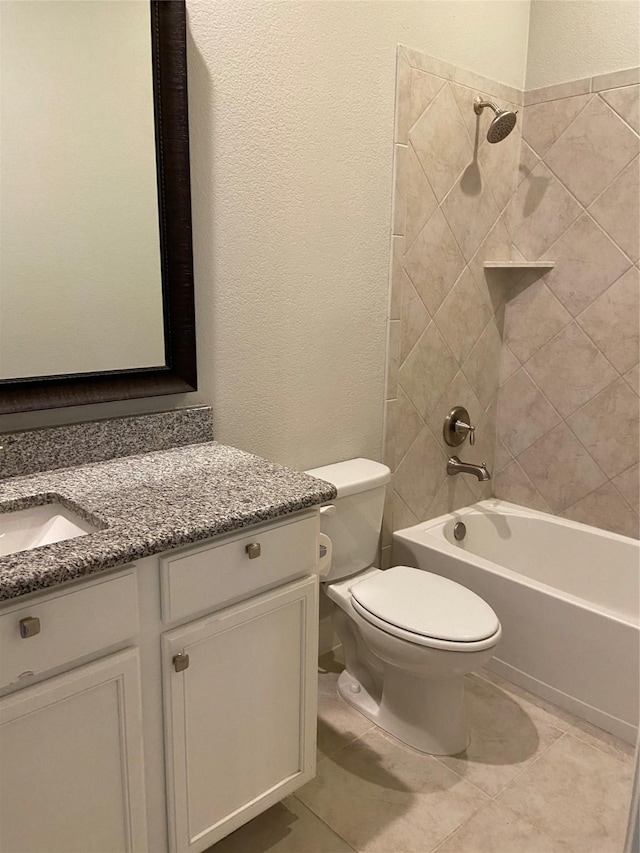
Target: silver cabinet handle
x=29 y=627
x=180 y=662
x=253 y=550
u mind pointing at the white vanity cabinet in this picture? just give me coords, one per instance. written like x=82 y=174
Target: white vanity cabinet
x=159 y=707
x=241 y=717
x=71 y=756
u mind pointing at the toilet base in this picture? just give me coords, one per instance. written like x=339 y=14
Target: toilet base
x=428 y=715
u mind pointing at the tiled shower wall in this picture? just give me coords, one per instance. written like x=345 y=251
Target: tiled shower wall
x=452 y=191
x=564 y=343
x=568 y=406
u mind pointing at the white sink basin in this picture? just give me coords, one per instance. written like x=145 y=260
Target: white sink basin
x=30 y=528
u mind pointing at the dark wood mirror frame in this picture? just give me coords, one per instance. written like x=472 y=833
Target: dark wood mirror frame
x=178 y=375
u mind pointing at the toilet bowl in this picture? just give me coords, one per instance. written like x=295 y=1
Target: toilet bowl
x=409 y=636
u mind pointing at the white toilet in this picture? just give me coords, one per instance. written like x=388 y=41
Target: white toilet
x=409 y=636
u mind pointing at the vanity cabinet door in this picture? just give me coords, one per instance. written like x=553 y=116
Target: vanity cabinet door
x=240 y=712
x=71 y=765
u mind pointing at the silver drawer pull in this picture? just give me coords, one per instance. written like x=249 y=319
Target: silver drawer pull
x=180 y=662
x=253 y=550
x=29 y=627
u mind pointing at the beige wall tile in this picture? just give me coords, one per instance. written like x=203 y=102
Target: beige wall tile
x=414 y=317
x=458 y=393
x=421 y=473
x=408 y=425
x=494 y=285
x=512 y=484
x=393 y=358
x=464 y=97
x=389 y=448
x=605 y=508
x=589 y=816
x=508 y=362
x=428 y=63
x=617 y=210
x=433 y=262
x=403 y=98
x=626 y=77
x=482 y=365
x=626 y=102
x=596 y=146
x=540 y=212
x=532 y=318
x=428 y=371
x=441 y=142
x=470 y=210
x=524 y=415
x=560 y=90
x=420 y=200
x=608 y=427
x=502 y=456
x=632 y=378
x=463 y=316
x=402 y=515
x=628 y=484
x=424 y=88
x=453 y=494
x=527 y=162
x=544 y=123
x=400 y=155
x=397 y=254
x=612 y=321
x=565 y=484
x=586 y=263
x=569 y=370
x=499 y=165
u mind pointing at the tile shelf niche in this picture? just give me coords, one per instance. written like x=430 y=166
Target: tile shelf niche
x=519 y=265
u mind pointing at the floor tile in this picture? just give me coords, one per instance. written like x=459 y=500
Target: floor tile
x=496 y=829
x=576 y=794
x=288 y=827
x=534 y=705
x=603 y=741
x=338 y=723
x=503 y=737
x=381 y=796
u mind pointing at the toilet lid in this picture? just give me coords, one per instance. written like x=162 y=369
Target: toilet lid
x=425 y=604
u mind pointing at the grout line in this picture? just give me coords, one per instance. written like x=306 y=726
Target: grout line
x=328 y=825
x=614 y=110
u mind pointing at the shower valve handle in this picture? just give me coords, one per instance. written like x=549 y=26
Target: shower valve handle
x=465 y=429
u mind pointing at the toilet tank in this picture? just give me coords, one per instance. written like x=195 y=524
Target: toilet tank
x=355 y=527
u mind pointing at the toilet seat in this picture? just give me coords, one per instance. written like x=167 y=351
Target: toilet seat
x=426 y=609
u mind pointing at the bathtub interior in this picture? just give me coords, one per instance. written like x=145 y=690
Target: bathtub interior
x=593 y=565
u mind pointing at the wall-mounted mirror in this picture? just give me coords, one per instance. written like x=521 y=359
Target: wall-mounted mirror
x=96 y=271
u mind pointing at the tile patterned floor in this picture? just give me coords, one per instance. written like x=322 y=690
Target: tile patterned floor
x=534 y=779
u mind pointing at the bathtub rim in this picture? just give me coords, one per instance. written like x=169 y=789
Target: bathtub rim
x=441 y=545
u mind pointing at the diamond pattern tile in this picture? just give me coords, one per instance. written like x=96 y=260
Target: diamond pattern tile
x=617 y=210
x=563 y=344
x=592 y=151
x=587 y=262
x=433 y=262
x=617 y=309
x=540 y=211
x=441 y=142
x=569 y=370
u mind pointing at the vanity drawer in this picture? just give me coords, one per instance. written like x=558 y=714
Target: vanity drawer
x=209 y=576
x=67 y=626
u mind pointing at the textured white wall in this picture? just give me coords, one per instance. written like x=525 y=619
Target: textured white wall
x=292 y=133
x=572 y=39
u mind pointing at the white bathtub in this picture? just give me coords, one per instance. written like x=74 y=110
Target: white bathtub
x=567 y=596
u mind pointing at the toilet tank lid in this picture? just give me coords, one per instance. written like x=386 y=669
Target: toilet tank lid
x=353 y=475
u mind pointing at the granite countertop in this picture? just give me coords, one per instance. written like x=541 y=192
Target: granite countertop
x=149 y=503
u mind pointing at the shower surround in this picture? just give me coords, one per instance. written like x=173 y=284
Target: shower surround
x=537 y=359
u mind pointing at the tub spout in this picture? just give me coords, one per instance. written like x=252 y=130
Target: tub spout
x=456 y=466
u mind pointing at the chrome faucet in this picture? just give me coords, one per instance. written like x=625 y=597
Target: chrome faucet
x=457 y=466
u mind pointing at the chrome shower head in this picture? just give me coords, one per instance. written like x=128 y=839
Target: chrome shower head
x=502 y=124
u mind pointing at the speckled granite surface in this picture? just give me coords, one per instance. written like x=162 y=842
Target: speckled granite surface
x=147 y=504
x=34 y=450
